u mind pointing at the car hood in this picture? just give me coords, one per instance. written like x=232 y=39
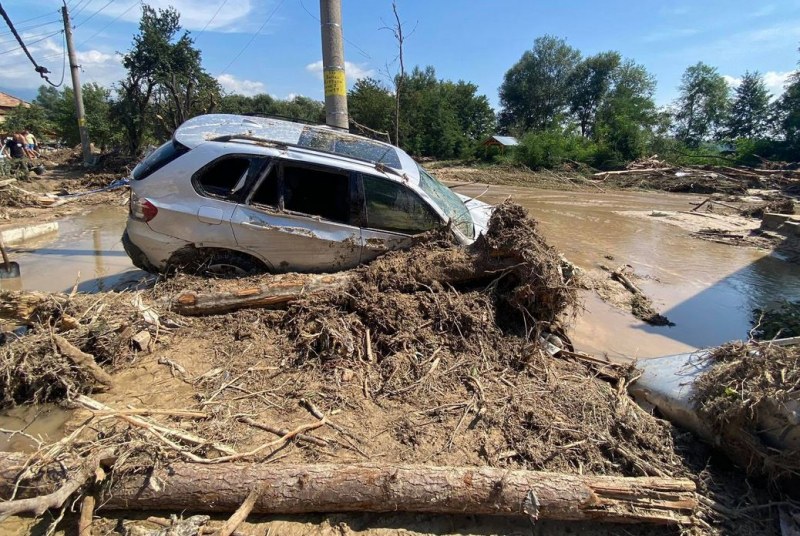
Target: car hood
x=480 y=212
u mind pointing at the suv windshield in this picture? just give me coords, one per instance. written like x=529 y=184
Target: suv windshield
x=449 y=202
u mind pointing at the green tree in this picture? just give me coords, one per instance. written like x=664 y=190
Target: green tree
x=535 y=91
x=750 y=109
x=627 y=117
x=32 y=118
x=371 y=104
x=701 y=109
x=165 y=79
x=590 y=83
x=787 y=114
x=103 y=131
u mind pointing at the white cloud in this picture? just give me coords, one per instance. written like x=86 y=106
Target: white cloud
x=97 y=66
x=248 y=88
x=238 y=16
x=353 y=71
x=780 y=36
x=774 y=80
x=732 y=80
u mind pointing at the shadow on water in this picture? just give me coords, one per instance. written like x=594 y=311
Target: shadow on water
x=723 y=311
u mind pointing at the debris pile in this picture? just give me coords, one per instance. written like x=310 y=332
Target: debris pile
x=751 y=392
x=435 y=356
x=653 y=174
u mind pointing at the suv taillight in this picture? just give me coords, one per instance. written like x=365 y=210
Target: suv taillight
x=142 y=209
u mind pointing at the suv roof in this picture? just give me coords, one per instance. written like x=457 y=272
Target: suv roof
x=314 y=138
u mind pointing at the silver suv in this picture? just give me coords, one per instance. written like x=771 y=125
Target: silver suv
x=237 y=194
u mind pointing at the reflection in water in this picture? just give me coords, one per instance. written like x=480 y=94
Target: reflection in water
x=87 y=251
x=44 y=422
x=709 y=290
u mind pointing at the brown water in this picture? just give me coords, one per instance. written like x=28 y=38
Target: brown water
x=707 y=289
x=87 y=250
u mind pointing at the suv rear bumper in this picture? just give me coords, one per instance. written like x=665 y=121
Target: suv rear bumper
x=139 y=237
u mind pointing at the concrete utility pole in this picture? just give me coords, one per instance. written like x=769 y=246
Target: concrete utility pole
x=330 y=15
x=76 y=88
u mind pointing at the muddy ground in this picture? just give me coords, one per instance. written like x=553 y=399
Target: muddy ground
x=449 y=382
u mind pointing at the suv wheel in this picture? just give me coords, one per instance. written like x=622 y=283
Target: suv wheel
x=226 y=263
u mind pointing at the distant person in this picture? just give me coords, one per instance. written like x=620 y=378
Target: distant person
x=30 y=144
x=13 y=148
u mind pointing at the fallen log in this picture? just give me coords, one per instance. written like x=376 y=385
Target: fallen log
x=442 y=266
x=632 y=171
x=326 y=488
x=277 y=291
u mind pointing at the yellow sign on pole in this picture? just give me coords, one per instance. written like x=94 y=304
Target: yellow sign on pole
x=335 y=84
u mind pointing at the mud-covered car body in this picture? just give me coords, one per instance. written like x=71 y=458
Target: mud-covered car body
x=257 y=193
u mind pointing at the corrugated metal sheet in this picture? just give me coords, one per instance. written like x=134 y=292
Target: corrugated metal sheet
x=508 y=141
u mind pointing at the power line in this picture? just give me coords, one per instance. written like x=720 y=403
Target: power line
x=104 y=28
x=80 y=8
x=28 y=28
x=361 y=50
x=43 y=72
x=84 y=21
x=254 y=36
x=20 y=23
x=30 y=43
x=214 y=16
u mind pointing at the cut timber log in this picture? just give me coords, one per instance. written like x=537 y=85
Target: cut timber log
x=619 y=275
x=277 y=291
x=431 y=266
x=327 y=488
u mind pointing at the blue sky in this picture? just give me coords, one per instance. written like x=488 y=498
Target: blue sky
x=473 y=40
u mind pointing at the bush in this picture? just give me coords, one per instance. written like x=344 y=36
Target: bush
x=552 y=148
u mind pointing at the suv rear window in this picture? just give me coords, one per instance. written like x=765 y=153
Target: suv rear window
x=158 y=159
x=227 y=176
x=393 y=207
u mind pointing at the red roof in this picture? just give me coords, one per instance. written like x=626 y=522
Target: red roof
x=9 y=101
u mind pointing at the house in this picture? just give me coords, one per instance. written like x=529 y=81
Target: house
x=8 y=103
x=501 y=142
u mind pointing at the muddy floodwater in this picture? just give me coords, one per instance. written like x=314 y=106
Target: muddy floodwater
x=707 y=289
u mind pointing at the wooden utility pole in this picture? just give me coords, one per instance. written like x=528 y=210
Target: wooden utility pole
x=76 y=87
x=333 y=64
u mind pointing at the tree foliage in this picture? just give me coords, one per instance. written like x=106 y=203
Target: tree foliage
x=535 y=91
x=590 y=83
x=439 y=118
x=166 y=83
x=701 y=109
x=750 y=110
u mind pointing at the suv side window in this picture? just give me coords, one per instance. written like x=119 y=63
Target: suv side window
x=394 y=207
x=317 y=192
x=227 y=176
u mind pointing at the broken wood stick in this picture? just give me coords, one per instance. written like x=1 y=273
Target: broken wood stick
x=240 y=514
x=55 y=497
x=385 y=487
x=284 y=431
x=619 y=275
x=87 y=514
x=83 y=361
